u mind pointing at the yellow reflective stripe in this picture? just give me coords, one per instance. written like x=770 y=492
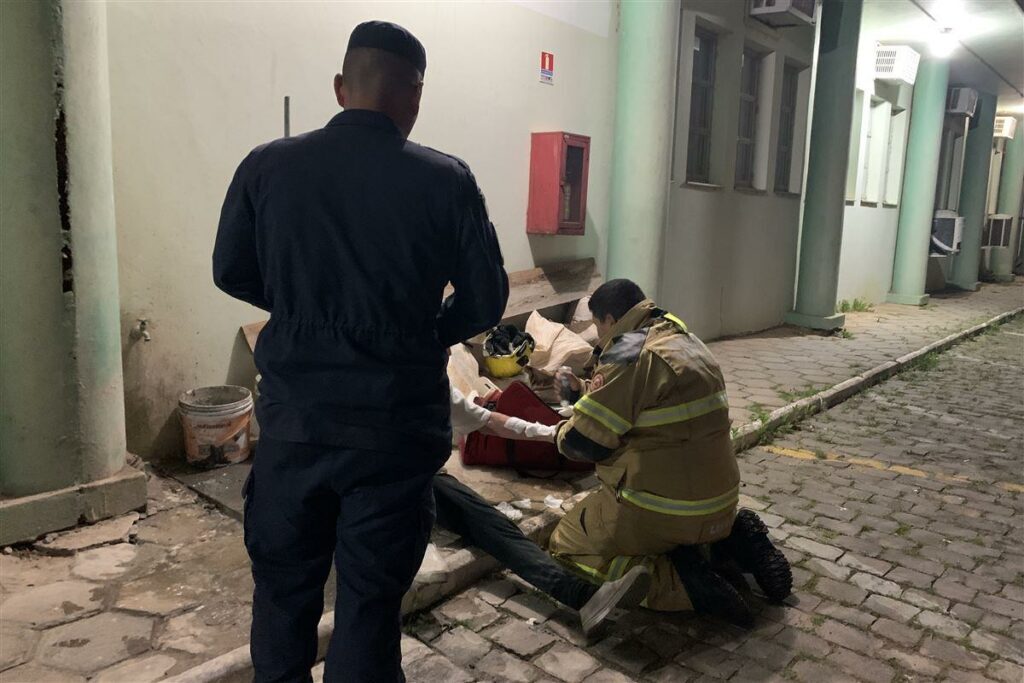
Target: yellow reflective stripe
x=589 y=571
x=618 y=567
x=679 y=323
x=681 y=508
x=683 y=411
x=615 y=423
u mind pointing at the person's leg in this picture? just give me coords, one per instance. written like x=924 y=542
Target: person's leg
x=289 y=533
x=462 y=511
x=382 y=532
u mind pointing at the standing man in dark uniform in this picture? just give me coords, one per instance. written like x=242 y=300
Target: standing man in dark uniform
x=348 y=235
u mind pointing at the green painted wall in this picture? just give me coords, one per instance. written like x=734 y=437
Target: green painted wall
x=974 y=192
x=920 y=171
x=821 y=234
x=60 y=368
x=1010 y=187
x=642 y=139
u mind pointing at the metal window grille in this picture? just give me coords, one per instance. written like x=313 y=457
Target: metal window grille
x=747 y=133
x=702 y=90
x=787 y=123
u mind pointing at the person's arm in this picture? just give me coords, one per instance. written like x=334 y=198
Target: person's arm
x=469 y=417
x=479 y=278
x=509 y=427
x=604 y=414
x=236 y=269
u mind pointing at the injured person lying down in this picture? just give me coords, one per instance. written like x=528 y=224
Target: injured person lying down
x=463 y=511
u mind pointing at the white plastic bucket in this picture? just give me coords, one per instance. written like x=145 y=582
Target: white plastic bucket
x=216 y=423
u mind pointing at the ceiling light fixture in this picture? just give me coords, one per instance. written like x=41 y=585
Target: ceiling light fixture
x=943 y=42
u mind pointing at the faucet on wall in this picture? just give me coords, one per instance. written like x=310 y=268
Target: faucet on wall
x=141 y=330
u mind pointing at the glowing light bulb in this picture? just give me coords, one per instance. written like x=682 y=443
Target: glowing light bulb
x=943 y=43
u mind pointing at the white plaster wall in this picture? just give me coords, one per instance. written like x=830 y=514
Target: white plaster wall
x=869 y=247
x=195 y=85
x=869 y=230
x=730 y=255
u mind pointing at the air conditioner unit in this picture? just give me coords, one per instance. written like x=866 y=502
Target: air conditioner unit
x=896 y=64
x=781 y=13
x=947 y=231
x=996 y=232
x=1006 y=126
x=961 y=101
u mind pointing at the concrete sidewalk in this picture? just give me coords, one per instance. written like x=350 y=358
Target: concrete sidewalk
x=162 y=594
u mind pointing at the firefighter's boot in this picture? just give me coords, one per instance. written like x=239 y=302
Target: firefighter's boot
x=710 y=594
x=749 y=547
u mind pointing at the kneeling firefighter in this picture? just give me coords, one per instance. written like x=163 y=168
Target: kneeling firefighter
x=655 y=420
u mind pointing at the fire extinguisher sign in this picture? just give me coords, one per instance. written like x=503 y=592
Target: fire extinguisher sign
x=547 y=68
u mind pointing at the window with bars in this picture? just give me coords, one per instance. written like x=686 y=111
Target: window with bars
x=702 y=90
x=787 y=125
x=747 y=133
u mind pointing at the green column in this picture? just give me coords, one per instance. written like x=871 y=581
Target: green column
x=821 y=234
x=1008 y=202
x=644 y=110
x=921 y=168
x=62 y=433
x=974 y=192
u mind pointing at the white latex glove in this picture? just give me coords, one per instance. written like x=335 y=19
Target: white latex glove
x=517 y=425
x=530 y=430
x=536 y=429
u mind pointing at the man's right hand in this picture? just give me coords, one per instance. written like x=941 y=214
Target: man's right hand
x=575 y=383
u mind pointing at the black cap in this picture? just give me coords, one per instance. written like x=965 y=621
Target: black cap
x=383 y=35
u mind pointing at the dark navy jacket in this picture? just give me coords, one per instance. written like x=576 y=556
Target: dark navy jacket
x=348 y=236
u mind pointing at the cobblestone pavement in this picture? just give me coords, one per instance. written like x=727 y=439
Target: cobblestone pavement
x=901 y=512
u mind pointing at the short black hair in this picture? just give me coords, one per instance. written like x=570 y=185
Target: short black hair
x=615 y=298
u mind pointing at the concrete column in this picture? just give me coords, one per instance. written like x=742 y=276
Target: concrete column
x=1008 y=201
x=974 y=192
x=62 y=427
x=917 y=207
x=645 y=106
x=821 y=234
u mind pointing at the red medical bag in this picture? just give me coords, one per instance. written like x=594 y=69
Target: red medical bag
x=518 y=400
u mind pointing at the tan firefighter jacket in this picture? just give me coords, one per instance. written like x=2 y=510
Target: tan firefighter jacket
x=658 y=422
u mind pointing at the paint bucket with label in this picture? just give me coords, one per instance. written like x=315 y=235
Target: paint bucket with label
x=216 y=422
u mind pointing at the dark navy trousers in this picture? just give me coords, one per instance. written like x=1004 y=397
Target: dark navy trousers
x=369 y=511
x=461 y=510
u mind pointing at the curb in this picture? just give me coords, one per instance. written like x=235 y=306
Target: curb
x=469 y=565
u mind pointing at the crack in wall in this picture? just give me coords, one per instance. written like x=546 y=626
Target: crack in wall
x=60 y=145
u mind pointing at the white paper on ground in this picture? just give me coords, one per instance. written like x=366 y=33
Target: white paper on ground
x=552 y=502
x=509 y=511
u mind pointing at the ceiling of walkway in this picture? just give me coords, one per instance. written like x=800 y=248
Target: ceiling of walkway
x=988 y=53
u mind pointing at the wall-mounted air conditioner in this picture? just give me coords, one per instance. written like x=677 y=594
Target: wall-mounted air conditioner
x=780 y=13
x=996 y=232
x=896 y=64
x=947 y=231
x=961 y=101
x=1006 y=126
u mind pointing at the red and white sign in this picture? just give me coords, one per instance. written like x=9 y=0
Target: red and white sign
x=547 y=68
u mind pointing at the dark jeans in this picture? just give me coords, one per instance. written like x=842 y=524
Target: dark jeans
x=369 y=511
x=463 y=511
